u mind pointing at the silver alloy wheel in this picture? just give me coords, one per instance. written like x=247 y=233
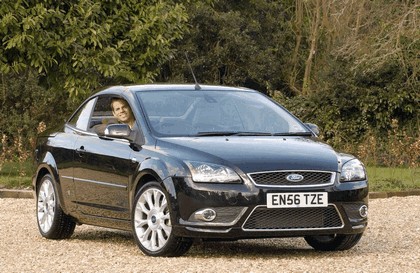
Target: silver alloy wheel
x=152 y=222
x=46 y=205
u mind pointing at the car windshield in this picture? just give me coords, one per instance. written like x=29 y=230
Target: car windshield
x=213 y=113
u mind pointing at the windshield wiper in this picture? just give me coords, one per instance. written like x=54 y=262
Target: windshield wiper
x=293 y=134
x=232 y=133
x=253 y=134
x=216 y=133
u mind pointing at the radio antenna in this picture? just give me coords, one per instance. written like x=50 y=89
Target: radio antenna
x=197 y=86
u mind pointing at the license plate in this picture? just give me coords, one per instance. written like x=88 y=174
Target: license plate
x=297 y=200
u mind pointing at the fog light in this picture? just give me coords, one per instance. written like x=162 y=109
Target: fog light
x=363 y=211
x=207 y=215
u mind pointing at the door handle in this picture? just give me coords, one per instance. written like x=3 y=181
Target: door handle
x=80 y=151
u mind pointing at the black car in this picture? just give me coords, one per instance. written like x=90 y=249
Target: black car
x=196 y=162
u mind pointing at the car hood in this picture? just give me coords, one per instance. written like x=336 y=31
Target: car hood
x=255 y=154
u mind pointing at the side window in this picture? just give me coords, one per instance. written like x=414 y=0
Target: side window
x=102 y=112
x=103 y=115
x=81 y=118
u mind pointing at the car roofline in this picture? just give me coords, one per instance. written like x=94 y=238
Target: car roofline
x=163 y=87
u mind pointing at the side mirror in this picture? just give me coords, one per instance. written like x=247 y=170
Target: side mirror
x=313 y=127
x=118 y=131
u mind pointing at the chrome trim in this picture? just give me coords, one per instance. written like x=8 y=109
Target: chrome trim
x=210 y=224
x=363 y=211
x=80 y=131
x=96 y=182
x=294 y=177
x=209 y=230
x=333 y=178
x=292 y=229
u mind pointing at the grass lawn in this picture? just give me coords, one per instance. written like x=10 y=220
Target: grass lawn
x=393 y=179
x=380 y=178
x=16 y=175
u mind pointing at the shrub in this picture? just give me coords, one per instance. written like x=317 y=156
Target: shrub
x=29 y=108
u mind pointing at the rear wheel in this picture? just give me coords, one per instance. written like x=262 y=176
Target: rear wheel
x=53 y=223
x=152 y=226
x=333 y=242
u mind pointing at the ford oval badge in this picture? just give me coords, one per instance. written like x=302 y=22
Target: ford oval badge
x=294 y=177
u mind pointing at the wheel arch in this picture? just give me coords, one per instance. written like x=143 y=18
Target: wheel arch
x=147 y=176
x=40 y=174
x=144 y=177
x=48 y=166
x=152 y=169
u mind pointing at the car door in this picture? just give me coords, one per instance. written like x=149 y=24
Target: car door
x=101 y=176
x=102 y=170
x=62 y=147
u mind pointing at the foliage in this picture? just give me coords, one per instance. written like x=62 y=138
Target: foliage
x=395 y=148
x=80 y=45
x=350 y=108
x=29 y=108
x=351 y=67
x=366 y=81
x=234 y=43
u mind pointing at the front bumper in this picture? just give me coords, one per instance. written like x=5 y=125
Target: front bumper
x=241 y=211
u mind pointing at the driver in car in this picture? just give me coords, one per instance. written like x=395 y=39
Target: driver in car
x=123 y=114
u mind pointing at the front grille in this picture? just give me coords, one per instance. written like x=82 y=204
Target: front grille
x=264 y=219
x=278 y=178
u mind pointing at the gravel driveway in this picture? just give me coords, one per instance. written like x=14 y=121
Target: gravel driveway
x=390 y=244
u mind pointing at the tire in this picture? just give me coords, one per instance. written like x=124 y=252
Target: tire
x=53 y=223
x=333 y=242
x=151 y=223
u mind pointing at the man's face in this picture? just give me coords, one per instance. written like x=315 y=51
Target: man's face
x=122 y=111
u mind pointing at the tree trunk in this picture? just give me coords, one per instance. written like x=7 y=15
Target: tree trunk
x=298 y=33
x=306 y=88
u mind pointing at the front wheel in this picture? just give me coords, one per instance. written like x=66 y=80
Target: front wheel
x=333 y=242
x=53 y=223
x=152 y=228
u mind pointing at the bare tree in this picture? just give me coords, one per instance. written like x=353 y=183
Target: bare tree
x=315 y=26
x=297 y=26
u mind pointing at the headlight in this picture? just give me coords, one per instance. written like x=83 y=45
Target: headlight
x=212 y=173
x=352 y=170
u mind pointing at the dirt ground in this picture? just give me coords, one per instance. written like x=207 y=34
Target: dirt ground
x=390 y=244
